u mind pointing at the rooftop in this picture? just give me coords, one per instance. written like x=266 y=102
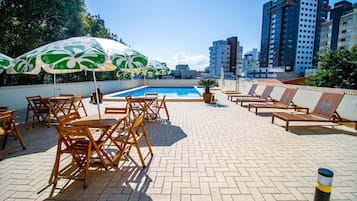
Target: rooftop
x=205 y=152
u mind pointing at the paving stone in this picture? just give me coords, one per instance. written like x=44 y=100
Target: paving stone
x=203 y=153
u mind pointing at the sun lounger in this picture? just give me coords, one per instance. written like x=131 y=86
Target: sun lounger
x=324 y=111
x=285 y=102
x=251 y=93
x=265 y=97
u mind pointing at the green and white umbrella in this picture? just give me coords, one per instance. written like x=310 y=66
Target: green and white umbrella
x=5 y=62
x=157 y=68
x=77 y=54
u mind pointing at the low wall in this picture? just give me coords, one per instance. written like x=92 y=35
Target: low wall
x=306 y=96
x=15 y=96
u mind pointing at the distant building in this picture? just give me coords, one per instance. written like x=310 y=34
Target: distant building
x=347 y=35
x=226 y=54
x=250 y=61
x=291 y=33
x=341 y=29
x=183 y=72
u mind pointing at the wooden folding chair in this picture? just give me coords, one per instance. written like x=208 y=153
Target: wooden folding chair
x=136 y=107
x=132 y=136
x=8 y=125
x=76 y=104
x=68 y=118
x=160 y=106
x=155 y=95
x=38 y=107
x=80 y=144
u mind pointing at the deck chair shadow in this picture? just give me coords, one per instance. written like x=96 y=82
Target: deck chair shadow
x=78 y=142
x=131 y=137
x=251 y=93
x=265 y=97
x=324 y=111
x=285 y=102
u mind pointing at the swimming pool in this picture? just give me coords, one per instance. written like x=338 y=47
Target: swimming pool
x=168 y=91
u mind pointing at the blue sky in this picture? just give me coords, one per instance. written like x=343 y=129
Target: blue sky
x=181 y=31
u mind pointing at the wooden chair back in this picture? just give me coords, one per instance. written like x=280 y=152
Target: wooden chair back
x=66 y=94
x=76 y=104
x=155 y=95
x=119 y=110
x=4 y=108
x=80 y=144
x=162 y=105
x=135 y=133
x=8 y=125
x=39 y=108
x=68 y=118
x=327 y=104
x=287 y=97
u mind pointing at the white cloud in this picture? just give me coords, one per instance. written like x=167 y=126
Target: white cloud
x=195 y=62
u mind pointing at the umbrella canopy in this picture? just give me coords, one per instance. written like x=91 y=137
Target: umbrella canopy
x=5 y=62
x=77 y=54
x=157 y=68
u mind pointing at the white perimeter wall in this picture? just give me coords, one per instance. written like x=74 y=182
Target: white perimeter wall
x=15 y=96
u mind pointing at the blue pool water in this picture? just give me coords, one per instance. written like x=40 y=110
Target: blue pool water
x=167 y=91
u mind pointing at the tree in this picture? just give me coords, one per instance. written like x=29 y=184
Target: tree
x=337 y=69
x=28 y=24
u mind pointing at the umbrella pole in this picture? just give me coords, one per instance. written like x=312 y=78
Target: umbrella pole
x=54 y=83
x=96 y=94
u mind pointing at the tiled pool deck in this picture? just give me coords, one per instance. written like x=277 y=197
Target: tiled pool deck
x=205 y=152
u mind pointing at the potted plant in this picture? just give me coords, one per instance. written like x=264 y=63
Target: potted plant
x=207 y=83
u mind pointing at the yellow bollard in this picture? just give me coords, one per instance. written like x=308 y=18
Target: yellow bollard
x=323 y=185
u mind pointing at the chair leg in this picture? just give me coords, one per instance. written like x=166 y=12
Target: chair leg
x=55 y=171
x=4 y=141
x=86 y=167
x=139 y=152
x=147 y=142
x=17 y=134
x=167 y=112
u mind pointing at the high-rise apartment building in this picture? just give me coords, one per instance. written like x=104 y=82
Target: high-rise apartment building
x=291 y=33
x=339 y=9
x=225 y=54
x=341 y=28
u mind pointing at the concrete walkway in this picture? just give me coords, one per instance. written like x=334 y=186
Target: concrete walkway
x=205 y=152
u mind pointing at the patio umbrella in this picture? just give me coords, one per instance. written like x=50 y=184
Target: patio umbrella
x=5 y=62
x=77 y=54
x=157 y=68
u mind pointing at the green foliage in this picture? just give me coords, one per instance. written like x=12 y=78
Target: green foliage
x=207 y=83
x=337 y=69
x=28 y=24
